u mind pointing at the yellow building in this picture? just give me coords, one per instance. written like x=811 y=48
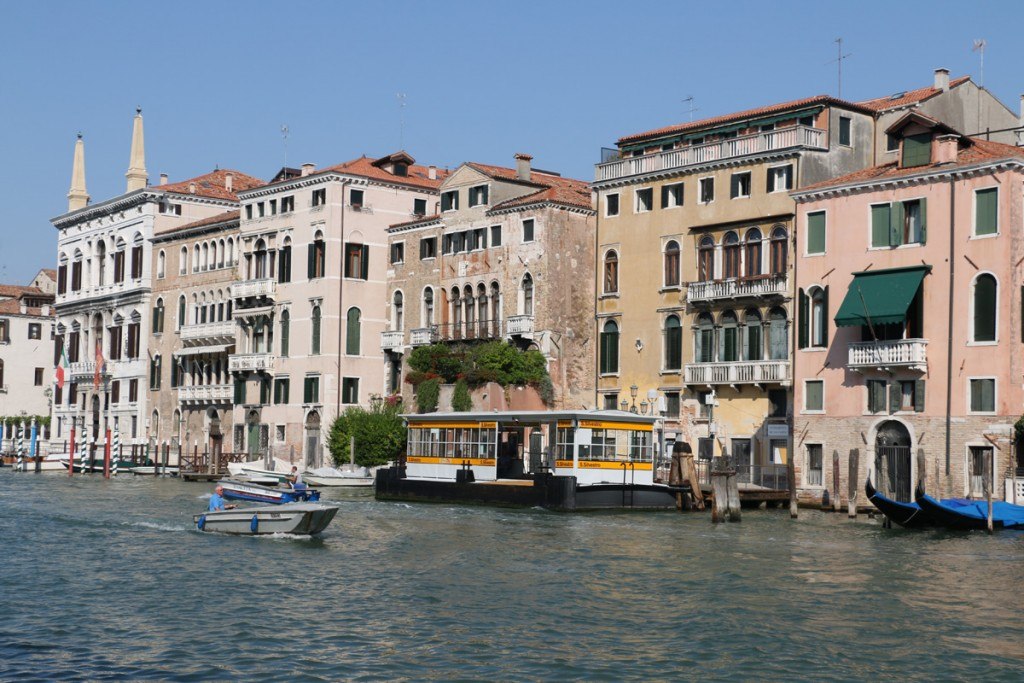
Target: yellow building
x=695 y=269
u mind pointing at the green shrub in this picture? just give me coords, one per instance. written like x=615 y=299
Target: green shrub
x=379 y=434
x=438 y=359
x=546 y=390
x=427 y=395
x=461 y=400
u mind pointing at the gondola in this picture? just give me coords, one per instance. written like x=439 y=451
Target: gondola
x=907 y=515
x=963 y=514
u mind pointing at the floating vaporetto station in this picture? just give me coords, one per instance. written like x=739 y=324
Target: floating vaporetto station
x=563 y=460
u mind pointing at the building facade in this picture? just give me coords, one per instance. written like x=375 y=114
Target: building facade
x=909 y=281
x=504 y=259
x=26 y=347
x=309 y=303
x=193 y=333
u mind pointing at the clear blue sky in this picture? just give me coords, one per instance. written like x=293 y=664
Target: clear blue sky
x=483 y=80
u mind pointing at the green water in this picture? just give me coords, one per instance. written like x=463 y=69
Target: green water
x=107 y=580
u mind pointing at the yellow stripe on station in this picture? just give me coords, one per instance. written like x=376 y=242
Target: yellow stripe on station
x=453 y=425
x=426 y=460
x=599 y=424
x=604 y=465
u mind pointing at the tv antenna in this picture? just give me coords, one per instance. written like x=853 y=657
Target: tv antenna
x=838 y=61
x=979 y=47
x=284 y=136
x=690 y=108
x=400 y=96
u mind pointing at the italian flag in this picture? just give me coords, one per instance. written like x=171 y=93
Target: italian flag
x=61 y=372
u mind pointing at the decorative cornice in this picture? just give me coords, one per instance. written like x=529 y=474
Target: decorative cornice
x=542 y=204
x=324 y=177
x=129 y=200
x=415 y=225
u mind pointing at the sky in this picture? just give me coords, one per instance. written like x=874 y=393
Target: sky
x=481 y=81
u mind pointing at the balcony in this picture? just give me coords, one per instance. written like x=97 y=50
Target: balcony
x=252 y=362
x=898 y=353
x=767 y=141
x=223 y=332
x=392 y=340
x=479 y=329
x=770 y=285
x=210 y=393
x=111 y=368
x=251 y=289
x=739 y=372
x=520 y=326
x=423 y=336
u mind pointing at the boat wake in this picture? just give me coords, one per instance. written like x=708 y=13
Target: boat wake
x=158 y=527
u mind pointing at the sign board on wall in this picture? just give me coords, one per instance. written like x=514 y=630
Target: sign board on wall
x=777 y=431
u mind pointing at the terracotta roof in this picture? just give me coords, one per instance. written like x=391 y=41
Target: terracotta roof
x=213 y=185
x=976 y=151
x=225 y=217
x=12 y=307
x=50 y=273
x=365 y=166
x=909 y=97
x=741 y=115
x=16 y=291
x=414 y=221
x=550 y=187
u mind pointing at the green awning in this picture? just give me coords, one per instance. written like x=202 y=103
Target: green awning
x=880 y=297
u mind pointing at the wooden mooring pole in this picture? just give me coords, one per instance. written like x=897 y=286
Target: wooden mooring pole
x=852 y=484
x=791 y=482
x=986 y=485
x=836 y=497
x=725 y=491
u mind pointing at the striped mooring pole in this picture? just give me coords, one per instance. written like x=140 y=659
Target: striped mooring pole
x=115 y=448
x=21 y=447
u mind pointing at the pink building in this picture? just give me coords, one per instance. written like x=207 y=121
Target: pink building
x=909 y=291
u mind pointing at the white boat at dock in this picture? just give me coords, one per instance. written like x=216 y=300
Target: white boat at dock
x=330 y=476
x=303 y=519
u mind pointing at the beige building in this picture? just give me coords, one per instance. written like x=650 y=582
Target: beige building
x=504 y=258
x=26 y=346
x=193 y=332
x=309 y=303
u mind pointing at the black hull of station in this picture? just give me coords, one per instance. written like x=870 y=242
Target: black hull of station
x=546 y=491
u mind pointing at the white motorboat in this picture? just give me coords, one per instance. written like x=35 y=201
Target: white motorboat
x=255 y=469
x=304 y=519
x=328 y=476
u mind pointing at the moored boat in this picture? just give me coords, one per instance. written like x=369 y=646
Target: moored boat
x=295 y=518
x=333 y=477
x=907 y=515
x=964 y=514
x=242 y=490
x=150 y=470
x=96 y=465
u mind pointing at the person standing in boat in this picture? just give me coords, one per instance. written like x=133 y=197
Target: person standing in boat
x=217 y=501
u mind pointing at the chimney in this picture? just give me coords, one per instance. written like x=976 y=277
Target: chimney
x=163 y=178
x=942 y=79
x=45 y=310
x=23 y=307
x=1022 y=110
x=191 y=188
x=432 y=170
x=945 y=148
x=229 y=182
x=307 y=169
x=523 y=165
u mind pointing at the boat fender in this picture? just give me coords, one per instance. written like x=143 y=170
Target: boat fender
x=201 y=523
x=254 y=524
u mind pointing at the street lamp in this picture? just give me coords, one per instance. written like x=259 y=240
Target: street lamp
x=625 y=405
x=632 y=393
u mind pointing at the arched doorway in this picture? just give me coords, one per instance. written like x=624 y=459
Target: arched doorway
x=252 y=423
x=313 y=439
x=893 y=461
x=214 y=429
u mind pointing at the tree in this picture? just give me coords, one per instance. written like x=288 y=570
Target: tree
x=427 y=395
x=461 y=400
x=379 y=434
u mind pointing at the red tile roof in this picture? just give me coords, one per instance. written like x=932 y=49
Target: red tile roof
x=976 y=151
x=16 y=291
x=13 y=307
x=50 y=273
x=550 y=188
x=214 y=185
x=364 y=166
x=905 y=99
x=741 y=115
x=225 y=217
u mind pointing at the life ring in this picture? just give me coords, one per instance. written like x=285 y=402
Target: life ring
x=254 y=524
x=201 y=523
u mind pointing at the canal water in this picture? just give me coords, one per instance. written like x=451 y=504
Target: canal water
x=108 y=580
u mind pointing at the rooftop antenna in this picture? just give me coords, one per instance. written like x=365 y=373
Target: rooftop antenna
x=400 y=96
x=979 y=47
x=838 y=61
x=690 y=108
x=284 y=136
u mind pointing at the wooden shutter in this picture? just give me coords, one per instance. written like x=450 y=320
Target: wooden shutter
x=919 y=396
x=734 y=186
x=896 y=224
x=880 y=225
x=985 y=308
x=789 y=177
x=985 y=202
x=136 y=262
x=311 y=262
x=770 y=183
x=603 y=364
x=824 y=316
x=364 y=261
x=895 y=396
x=803 y=308
x=917 y=150
x=352 y=333
x=924 y=219
x=285 y=330
x=62 y=279
x=115 y=391
x=613 y=352
x=239 y=392
x=816 y=233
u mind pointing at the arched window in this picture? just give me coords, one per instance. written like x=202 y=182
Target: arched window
x=469 y=304
x=609 y=348
x=101 y=262
x=158 y=316
x=183 y=261
x=154 y=425
x=181 y=312
x=704 y=339
x=220 y=255
x=195 y=258
x=780 y=242
x=673 y=343
x=206 y=256
x=752 y=265
x=315 y=333
x=753 y=344
x=353 y=324
x=284 y=261
x=481 y=305
x=286 y=319
x=672 y=263
x=495 y=309
x=985 y=291
x=731 y=255
x=230 y=256
x=213 y=254
x=729 y=351
x=161 y=264
x=428 y=307
x=527 y=294
x=260 y=260
x=120 y=249
x=778 y=335
x=706 y=259
x=611 y=272
x=456 y=313
x=317 y=257
x=818 y=318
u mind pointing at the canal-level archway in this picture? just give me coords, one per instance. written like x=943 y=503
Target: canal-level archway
x=313 y=439
x=893 y=460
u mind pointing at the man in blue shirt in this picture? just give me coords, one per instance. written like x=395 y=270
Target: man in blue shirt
x=217 y=500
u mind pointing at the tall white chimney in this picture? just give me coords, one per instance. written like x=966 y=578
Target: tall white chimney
x=432 y=170
x=942 y=79
x=308 y=168
x=229 y=182
x=163 y=178
x=523 y=165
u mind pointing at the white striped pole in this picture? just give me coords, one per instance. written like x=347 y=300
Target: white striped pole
x=86 y=448
x=115 y=447
x=21 y=447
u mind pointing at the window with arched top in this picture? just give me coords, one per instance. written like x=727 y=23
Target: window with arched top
x=731 y=256
x=230 y=255
x=428 y=306
x=259 y=257
x=673 y=356
x=183 y=261
x=469 y=306
x=780 y=250
x=495 y=309
x=704 y=339
x=481 y=307
x=527 y=294
x=729 y=347
x=221 y=256
x=181 y=312
x=752 y=255
x=609 y=348
x=456 y=313
x=353 y=330
x=285 y=325
x=814 y=317
x=753 y=339
x=706 y=259
x=158 y=316
x=315 y=331
x=161 y=264
x=672 y=263
x=101 y=262
x=195 y=258
x=611 y=272
x=984 y=327
x=284 y=261
x=317 y=257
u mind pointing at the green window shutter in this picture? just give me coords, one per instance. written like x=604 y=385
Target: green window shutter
x=896 y=224
x=816 y=233
x=239 y=391
x=986 y=201
x=985 y=308
x=307 y=390
x=803 y=305
x=613 y=352
x=824 y=316
x=603 y=364
x=734 y=186
x=895 y=395
x=919 y=396
x=880 y=221
x=770 y=183
x=789 y=177
x=870 y=385
x=352 y=333
x=311 y=263
x=364 y=262
x=988 y=394
x=924 y=220
x=285 y=331
x=917 y=150
x=975 y=395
